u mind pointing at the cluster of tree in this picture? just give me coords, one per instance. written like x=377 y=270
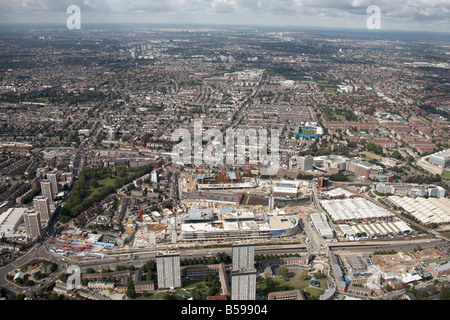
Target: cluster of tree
x=81 y=197
x=396 y=155
x=383 y=252
x=424 y=294
x=335 y=114
x=305 y=176
x=30 y=195
x=286 y=72
x=130 y=293
x=445 y=293
x=338 y=177
x=432 y=109
x=123 y=268
x=372 y=147
x=46 y=293
x=218 y=258
x=25 y=282
x=212 y=284
x=51 y=96
x=431 y=179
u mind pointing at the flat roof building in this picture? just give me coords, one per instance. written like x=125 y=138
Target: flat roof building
x=440 y=159
x=10 y=220
x=353 y=209
x=431 y=210
x=286 y=189
x=439 y=270
x=286 y=295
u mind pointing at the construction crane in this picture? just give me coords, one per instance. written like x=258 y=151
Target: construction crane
x=248 y=169
x=140 y=217
x=239 y=200
x=65 y=232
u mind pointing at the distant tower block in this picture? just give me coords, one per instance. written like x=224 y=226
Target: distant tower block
x=307 y=163
x=42 y=205
x=46 y=189
x=152 y=239
x=174 y=236
x=168 y=271
x=111 y=133
x=243 y=256
x=32 y=223
x=54 y=182
x=154 y=176
x=271 y=203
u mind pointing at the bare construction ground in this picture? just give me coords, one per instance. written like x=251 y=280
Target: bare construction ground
x=403 y=261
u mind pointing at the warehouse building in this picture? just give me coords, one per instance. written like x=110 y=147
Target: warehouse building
x=354 y=209
x=322 y=226
x=375 y=229
x=10 y=222
x=431 y=210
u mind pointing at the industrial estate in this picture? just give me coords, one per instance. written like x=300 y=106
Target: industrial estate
x=358 y=209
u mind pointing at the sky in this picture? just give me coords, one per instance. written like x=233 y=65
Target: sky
x=414 y=15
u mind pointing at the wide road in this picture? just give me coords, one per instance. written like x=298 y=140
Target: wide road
x=139 y=259
x=37 y=251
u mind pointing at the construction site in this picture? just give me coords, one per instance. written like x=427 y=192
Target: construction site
x=403 y=261
x=213 y=206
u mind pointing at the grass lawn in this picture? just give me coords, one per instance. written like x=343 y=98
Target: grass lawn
x=198 y=284
x=339 y=117
x=446 y=175
x=102 y=183
x=191 y=284
x=438 y=261
x=106 y=182
x=371 y=155
x=161 y=296
x=279 y=284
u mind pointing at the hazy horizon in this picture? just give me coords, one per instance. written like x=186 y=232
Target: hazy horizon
x=402 y=15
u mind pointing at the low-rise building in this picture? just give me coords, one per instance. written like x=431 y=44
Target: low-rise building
x=286 y=295
x=439 y=270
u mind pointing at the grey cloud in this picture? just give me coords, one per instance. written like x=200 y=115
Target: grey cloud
x=398 y=10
